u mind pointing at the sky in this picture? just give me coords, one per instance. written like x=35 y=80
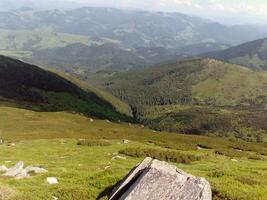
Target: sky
x=226 y=11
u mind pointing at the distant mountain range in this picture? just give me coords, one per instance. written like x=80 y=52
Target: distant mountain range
x=251 y=54
x=90 y=40
x=132 y=28
x=81 y=59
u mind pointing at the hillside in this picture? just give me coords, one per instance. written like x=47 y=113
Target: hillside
x=82 y=60
x=91 y=169
x=28 y=86
x=194 y=96
x=252 y=54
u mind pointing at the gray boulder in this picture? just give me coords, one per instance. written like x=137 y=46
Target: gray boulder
x=18 y=172
x=15 y=170
x=3 y=168
x=156 y=180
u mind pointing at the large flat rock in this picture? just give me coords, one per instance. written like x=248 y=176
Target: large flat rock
x=157 y=180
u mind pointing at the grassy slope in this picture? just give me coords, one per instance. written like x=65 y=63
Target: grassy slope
x=49 y=139
x=32 y=87
x=16 y=43
x=119 y=105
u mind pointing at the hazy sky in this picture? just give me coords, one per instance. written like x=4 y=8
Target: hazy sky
x=227 y=11
x=230 y=11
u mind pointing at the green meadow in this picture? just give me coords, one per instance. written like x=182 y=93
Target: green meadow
x=89 y=169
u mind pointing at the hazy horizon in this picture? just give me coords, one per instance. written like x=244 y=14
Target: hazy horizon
x=226 y=11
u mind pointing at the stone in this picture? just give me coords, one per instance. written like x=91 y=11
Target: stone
x=23 y=174
x=118 y=157
x=91 y=120
x=3 y=168
x=11 y=144
x=18 y=172
x=36 y=170
x=15 y=170
x=156 y=180
x=125 y=141
x=1 y=141
x=52 y=180
x=234 y=160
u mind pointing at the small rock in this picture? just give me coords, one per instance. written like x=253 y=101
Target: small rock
x=142 y=126
x=36 y=170
x=1 y=141
x=130 y=124
x=52 y=180
x=125 y=141
x=55 y=198
x=3 y=168
x=199 y=148
x=118 y=157
x=107 y=167
x=11 y=145
x=107 y=121
x=91 y=120
x=234 y=160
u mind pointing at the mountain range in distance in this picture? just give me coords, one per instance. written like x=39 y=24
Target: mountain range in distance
x=251 y=54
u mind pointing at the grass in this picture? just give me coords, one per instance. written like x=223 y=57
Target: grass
x=93 y=143
x=87 y=172
x=169 y=156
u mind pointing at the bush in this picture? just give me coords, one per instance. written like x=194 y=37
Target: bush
x=73 y=193
x=230 y=153
x=165 y=155
x=245 y=180
x=216 y=174
x=93 y=143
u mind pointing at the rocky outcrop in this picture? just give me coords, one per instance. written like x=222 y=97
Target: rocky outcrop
x=18 y=172
x=157 y=180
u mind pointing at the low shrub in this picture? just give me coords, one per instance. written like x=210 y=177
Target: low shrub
x=230 y=153
x=216 y=174
x=205 y=146
x=165 y=155
x=245 y=180
x=73 y=193
x=255 y=157
x=93 y=143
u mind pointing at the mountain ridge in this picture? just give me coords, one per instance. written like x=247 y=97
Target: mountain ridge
x=251 y=54
x=32 y=87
